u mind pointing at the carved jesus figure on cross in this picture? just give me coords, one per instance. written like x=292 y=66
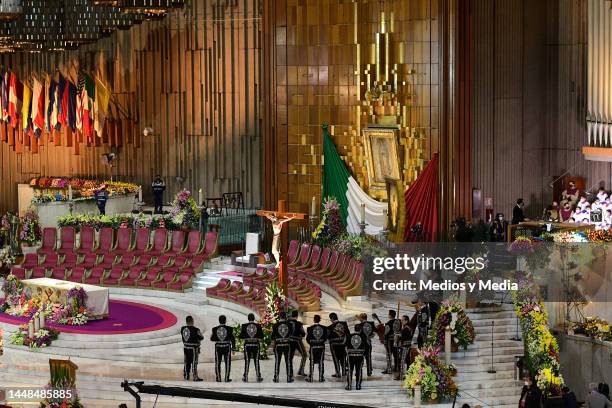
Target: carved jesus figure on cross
x=280 y=218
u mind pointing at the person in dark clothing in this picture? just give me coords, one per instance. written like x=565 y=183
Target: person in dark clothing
x=298 y=333
x=192 y=337
x=223 y=337
x=531 y=395
x=252 y=334
x=338 y=333
x=355 y=354
x=281 y=337
x=499 y=228
x=405 y=345
x=517 y=212
x=569 y=398
x=158 y=186
x=393 y=329
x=369 y=329
x=315 y=337
x=101 y=198
x=604 y=389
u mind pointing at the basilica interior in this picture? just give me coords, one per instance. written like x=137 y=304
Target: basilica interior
x=305 y=203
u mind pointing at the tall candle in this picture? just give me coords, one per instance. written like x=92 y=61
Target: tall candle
x=36 y=324
x=31 y=329
x=313 y=206
x=69 y=192
x=362 y=213
x=41 y=324
x=140 y=194
x=200 y=197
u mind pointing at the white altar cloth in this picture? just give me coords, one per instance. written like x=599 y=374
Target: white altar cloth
x=55 y=290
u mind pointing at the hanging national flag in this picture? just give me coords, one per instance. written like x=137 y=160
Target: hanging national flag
x=79 y=102
x=38 y=107
x=46 y=102
x=71 y=105
x=25 y=107
x=62 y=115
x=5 y=96
x=51 y=104
x=15 y=99
x=54 y=104
x=338 y=183
x=100 y=106
x=88 y=99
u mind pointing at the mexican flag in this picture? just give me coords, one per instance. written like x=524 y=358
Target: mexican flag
x=338 y=182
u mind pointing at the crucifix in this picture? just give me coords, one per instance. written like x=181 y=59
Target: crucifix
x=278 y=219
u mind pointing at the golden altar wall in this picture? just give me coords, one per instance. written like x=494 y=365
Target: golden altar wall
x=385 y=140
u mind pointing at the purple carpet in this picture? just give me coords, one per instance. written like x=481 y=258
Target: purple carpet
x=231 y=273
x=124 y=318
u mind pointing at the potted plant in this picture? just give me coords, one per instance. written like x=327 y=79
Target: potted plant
x=434 y=377
x=31 y=232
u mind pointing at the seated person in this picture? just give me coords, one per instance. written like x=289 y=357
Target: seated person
x=566 y=212
x=582 y=204
x=596 y=205
x=551 y=213
x=570 y=194
x=602 y=195
x=499 y=228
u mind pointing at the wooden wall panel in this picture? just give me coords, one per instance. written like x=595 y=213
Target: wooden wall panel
x=311 y=51
x=193 y=77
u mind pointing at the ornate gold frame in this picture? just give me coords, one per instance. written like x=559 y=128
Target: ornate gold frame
x=369 y=134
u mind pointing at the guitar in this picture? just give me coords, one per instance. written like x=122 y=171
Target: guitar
x=380 y=328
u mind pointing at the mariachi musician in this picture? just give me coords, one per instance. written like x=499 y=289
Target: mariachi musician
x=405 y=345
x=393 y=328
x=369 y=329
x=338 y=333
x=425 y=313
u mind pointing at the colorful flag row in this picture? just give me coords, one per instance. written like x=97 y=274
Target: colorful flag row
x=48 y=104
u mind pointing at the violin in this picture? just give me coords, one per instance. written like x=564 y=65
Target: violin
x=380 y=328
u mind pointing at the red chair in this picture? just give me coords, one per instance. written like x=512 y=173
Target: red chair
x=150 y=276
x=88 y=261
x=19 y=272
x=128 y=259
x=142 y=240
x=38 y=272
x=222 y=286
x=67 y=240
x=87 y=240
x=292 y=251
x=144 y=260
x=77 y=274
x=51 y=260
x=107 y=261
x=130 y=279
x=113 y=277
x=164 y=261
x=183 y=282
x=95 y=276
x=177 y=245
x=210 y=248
x=49 y=241
x=315 y=255
x=69 y=260
x=59 y=272
x=105 y=241
x=160 y=242
x=29 y=261
x=303 y=258
x=165 y=278
x=124 y=241
x=194 y=243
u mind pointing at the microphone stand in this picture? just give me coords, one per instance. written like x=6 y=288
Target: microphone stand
x=492 y=370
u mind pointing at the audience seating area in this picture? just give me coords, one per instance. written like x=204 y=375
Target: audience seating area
x=309 y=267
x=168 y=260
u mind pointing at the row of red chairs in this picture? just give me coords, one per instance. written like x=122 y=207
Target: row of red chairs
x=127 y=240
x=340 y=273
x=124 y=262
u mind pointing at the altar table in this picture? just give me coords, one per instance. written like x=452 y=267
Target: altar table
x=55 y=290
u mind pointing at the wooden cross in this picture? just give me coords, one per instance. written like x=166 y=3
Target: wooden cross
x=279 y=218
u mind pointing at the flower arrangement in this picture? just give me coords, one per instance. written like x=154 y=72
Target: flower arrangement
x=541 y=349
x=533 y=249
x=72 y=402
x=12 y=289
x=451 y=314
x=6 y=258
x=184 y=211
x=601 y=236
x=275 y=303
x=593 y=327
x=30 y=228
x=56 y=189
x=330 y=227
x=357 y=246
x=114 y=221
x=42 y=338
x=432 y=375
